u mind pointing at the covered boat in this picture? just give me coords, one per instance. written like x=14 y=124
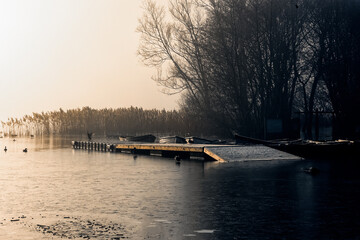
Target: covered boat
x=197 y=140
x=122 y=138
x=172 y=139
x=143 y=138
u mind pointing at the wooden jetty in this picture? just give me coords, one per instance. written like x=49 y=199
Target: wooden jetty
x=184 y=151
x=205 y=152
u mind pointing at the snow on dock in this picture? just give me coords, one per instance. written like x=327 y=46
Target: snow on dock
x=230 y=153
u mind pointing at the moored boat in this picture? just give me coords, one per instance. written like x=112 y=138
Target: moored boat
x=143 y=138
x=197 y=140
x=122 y=138
x=172 y=139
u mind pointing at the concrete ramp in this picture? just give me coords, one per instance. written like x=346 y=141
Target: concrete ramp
x=245 y=153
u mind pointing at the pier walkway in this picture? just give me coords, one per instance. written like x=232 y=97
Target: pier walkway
x=207 y=152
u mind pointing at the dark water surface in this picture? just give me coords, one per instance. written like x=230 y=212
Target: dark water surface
x=54 y=192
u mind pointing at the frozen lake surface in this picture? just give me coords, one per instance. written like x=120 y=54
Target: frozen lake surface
x=54 y=192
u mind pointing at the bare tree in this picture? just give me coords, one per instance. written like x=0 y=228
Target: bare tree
x=174 y=43
x=338 y=60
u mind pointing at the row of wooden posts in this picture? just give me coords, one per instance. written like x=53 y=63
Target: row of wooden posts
x=95 y=146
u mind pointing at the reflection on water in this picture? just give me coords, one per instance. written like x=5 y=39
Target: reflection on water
x=54 y=192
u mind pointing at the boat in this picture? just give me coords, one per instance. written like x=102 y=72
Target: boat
x=143 y=138
x=122 y=138
x=338 y=149
x=172 y=139
x=197 y=140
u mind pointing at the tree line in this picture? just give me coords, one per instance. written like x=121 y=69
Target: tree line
x=108 y=122
x=238 y=63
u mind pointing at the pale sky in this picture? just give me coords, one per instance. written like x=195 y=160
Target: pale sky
x=73 y=53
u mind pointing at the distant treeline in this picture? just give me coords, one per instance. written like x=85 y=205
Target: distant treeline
x=108 y=122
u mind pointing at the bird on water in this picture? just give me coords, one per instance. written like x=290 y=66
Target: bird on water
x=177 y=159
x=5 y=149
x=312 y=170
x=25 y=150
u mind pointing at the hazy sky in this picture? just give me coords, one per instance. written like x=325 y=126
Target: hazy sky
x=73 y=53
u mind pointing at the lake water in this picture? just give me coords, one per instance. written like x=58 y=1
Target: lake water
x=54 y=192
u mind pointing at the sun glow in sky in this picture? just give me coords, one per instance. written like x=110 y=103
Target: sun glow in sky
x=73 y=53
